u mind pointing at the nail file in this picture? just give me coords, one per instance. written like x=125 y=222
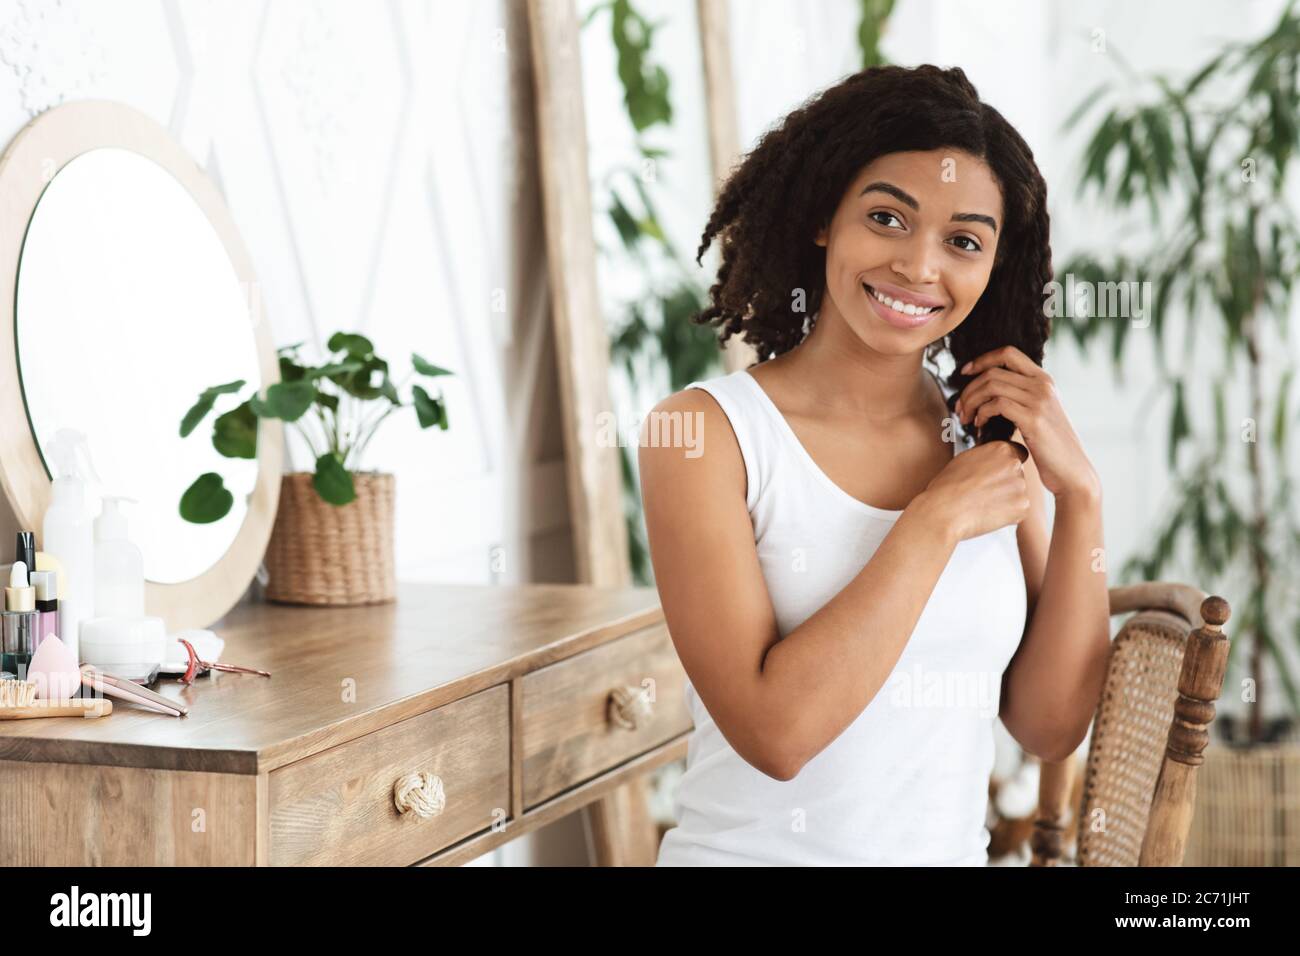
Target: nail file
x=111 y=686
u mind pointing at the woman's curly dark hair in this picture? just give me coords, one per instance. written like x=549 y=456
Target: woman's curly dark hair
x=789 y=186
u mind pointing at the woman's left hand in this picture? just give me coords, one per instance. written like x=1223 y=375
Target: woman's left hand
x=1007 y=382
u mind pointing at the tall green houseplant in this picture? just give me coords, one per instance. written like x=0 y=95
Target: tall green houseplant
x=1211 y=160
x=655 y=327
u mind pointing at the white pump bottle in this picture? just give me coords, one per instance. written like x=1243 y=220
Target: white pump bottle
x=119 y=565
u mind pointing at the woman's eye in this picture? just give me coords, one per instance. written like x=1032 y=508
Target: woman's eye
x=881 y=217
x=973 y=247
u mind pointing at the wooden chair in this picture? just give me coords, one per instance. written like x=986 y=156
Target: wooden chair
x=1164 y=674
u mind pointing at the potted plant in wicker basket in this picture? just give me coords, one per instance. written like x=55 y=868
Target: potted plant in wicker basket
x=332 y=542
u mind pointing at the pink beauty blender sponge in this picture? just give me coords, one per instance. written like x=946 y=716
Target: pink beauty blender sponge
x=54 y=670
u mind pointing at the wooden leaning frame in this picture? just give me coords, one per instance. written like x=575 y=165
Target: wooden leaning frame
x=581 y=342
x=623 y=831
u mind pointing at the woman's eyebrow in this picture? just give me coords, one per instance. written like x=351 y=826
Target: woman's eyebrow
x=903 y=197
x=891 y=189
x=975 y=217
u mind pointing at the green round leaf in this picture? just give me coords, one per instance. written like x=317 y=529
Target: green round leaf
x=332 y=481
x=360 y=383
x=357 y=346
x=234 y=434
x=289 y=400
x=206 y=500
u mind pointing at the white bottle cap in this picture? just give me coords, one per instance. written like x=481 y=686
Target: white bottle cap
x=19 y=595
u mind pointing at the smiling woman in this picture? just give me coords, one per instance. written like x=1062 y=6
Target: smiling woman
x=910 y=310
x=927 y=164
x=884 y=225
x=842 y=555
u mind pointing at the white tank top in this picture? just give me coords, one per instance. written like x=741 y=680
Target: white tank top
x=907 y=782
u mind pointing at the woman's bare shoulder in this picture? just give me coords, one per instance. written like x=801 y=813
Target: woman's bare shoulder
x=687 y=437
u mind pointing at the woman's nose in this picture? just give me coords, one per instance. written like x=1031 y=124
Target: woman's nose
x=917 y=261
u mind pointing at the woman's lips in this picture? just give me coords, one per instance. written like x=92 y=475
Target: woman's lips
x=900 y=320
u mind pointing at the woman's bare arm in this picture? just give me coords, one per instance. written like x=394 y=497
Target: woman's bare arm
x=780 y=702
x=1053 y=683
x=1051 y=687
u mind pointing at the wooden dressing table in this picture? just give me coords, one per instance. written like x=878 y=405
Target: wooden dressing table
x=523 y=703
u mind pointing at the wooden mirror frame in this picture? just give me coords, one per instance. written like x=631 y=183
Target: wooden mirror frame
x=38 y=151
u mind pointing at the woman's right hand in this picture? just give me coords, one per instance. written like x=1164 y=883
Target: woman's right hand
x=980 y=490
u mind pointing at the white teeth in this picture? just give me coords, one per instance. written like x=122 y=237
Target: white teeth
x=897 y=306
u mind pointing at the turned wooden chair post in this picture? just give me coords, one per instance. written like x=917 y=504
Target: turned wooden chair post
x=1055 y=784
x=1165 y=671
x=1199 y=684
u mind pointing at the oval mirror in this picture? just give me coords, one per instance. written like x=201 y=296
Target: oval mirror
x=130 y=294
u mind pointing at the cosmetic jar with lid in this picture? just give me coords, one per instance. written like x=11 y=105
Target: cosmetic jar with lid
x=123 y=645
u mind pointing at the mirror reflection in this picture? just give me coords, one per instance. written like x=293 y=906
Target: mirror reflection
x=127 y=306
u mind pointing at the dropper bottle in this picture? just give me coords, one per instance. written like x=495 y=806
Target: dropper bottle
x=18 y=623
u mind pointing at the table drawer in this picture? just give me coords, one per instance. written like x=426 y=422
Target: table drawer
x=338 y=807
x=577 y=722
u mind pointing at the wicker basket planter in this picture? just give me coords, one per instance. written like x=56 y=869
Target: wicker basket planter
x=326 y=554
x=1247 y=807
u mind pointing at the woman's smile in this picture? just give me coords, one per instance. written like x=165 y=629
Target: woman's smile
x=902 y=309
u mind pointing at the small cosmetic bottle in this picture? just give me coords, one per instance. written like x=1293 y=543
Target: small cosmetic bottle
x=25 y=550
x=19 y=623
x=46 y=584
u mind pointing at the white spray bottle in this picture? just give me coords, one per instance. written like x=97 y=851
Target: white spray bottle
x=68 y=531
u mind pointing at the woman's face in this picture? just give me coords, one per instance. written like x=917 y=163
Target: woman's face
x=910 y=249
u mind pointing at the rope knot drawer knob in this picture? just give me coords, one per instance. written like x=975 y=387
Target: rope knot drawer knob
x=420 y=793
x=630 y=707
